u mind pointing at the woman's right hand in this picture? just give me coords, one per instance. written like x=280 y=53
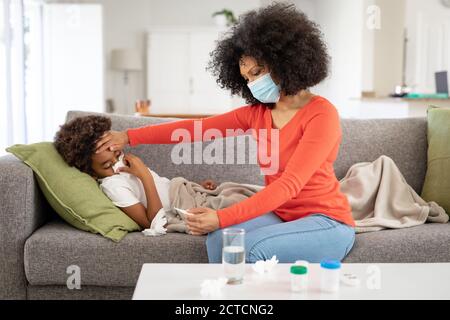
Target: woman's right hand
x=112 y=140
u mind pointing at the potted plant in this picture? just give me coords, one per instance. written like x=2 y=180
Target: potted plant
x=224 y=17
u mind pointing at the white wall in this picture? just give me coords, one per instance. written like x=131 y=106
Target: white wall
x=431 y=10
x=126 y=24
x=362 y=59
x=383 y=48
x=388 y=47
x=73 y=59
x=130 y=30
x=341 y=23
x=307 y=6
x=368 y=42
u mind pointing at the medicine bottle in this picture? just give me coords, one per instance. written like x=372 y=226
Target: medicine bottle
x=299 y=278
x=330 y=275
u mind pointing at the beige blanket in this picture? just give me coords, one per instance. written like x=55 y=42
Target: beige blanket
x=185 y=194
x=381 y=198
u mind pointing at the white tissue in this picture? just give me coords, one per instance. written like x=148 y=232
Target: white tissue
x=119 y=163
x=212 y=287
x=183 y=213
x=266 y=266
x=157 y=225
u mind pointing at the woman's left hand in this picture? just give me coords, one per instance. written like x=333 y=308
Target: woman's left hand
x=202 y=221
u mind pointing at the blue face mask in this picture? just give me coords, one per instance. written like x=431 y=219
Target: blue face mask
x=264 y=89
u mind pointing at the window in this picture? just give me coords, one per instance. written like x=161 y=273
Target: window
x=12 y=104
x=3 y=77
x=33 y=70
x=51 y=61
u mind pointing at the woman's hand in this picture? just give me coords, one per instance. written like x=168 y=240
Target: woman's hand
x=203 y=221
x=112 y=140
x=208 y=184
x=135 y=166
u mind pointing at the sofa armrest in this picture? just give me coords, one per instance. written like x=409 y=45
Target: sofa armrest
x=23 y=209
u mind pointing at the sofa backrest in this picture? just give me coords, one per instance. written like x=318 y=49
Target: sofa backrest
x=404 y=140
x=364 y=140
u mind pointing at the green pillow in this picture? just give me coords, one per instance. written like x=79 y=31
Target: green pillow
x=74 y=195
x=437 y=180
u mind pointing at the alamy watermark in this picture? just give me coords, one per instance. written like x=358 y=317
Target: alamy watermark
x=373 y=281
x=373 y=21
x=74 y=279
x=267 y=148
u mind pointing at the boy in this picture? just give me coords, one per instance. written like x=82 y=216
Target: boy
x=125 y=179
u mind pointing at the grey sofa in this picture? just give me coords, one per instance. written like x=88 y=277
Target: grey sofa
x=37 y=247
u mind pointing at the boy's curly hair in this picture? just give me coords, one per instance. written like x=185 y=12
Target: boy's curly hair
x=279 y=36
x=75 y=141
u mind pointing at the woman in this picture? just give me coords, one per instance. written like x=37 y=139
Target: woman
x=271 y=58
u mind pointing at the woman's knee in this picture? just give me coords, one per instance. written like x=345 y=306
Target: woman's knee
x=258 y=253
x=262 y=247
x=338 y=238
x=351 y=242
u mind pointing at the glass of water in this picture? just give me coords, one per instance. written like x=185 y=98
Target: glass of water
x=233 y=254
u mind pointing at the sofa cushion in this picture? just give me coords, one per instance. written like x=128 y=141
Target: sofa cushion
x=429 y=242
x=402 y=140
x=74 y=195
x=56 y=246
x=437 y=180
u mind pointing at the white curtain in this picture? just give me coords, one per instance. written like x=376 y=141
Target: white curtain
x=20 y=72
x=3 y=76
x=51 y=61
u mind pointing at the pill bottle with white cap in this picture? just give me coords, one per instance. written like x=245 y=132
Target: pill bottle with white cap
x=330 y=275
x=299 y=278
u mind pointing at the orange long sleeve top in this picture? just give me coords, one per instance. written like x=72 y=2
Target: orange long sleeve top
x=305 y=182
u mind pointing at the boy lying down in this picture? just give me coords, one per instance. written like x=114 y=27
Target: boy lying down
x=147 y=198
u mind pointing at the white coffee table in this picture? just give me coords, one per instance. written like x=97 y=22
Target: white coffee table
x=378 y=281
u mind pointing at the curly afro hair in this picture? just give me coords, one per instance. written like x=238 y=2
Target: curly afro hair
x=278 y=36
x=75 y=141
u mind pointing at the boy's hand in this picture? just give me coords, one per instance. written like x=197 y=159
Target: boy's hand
x=208 y=184
x=135 y=166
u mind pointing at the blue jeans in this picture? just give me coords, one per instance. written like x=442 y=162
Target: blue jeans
x=312 y=238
